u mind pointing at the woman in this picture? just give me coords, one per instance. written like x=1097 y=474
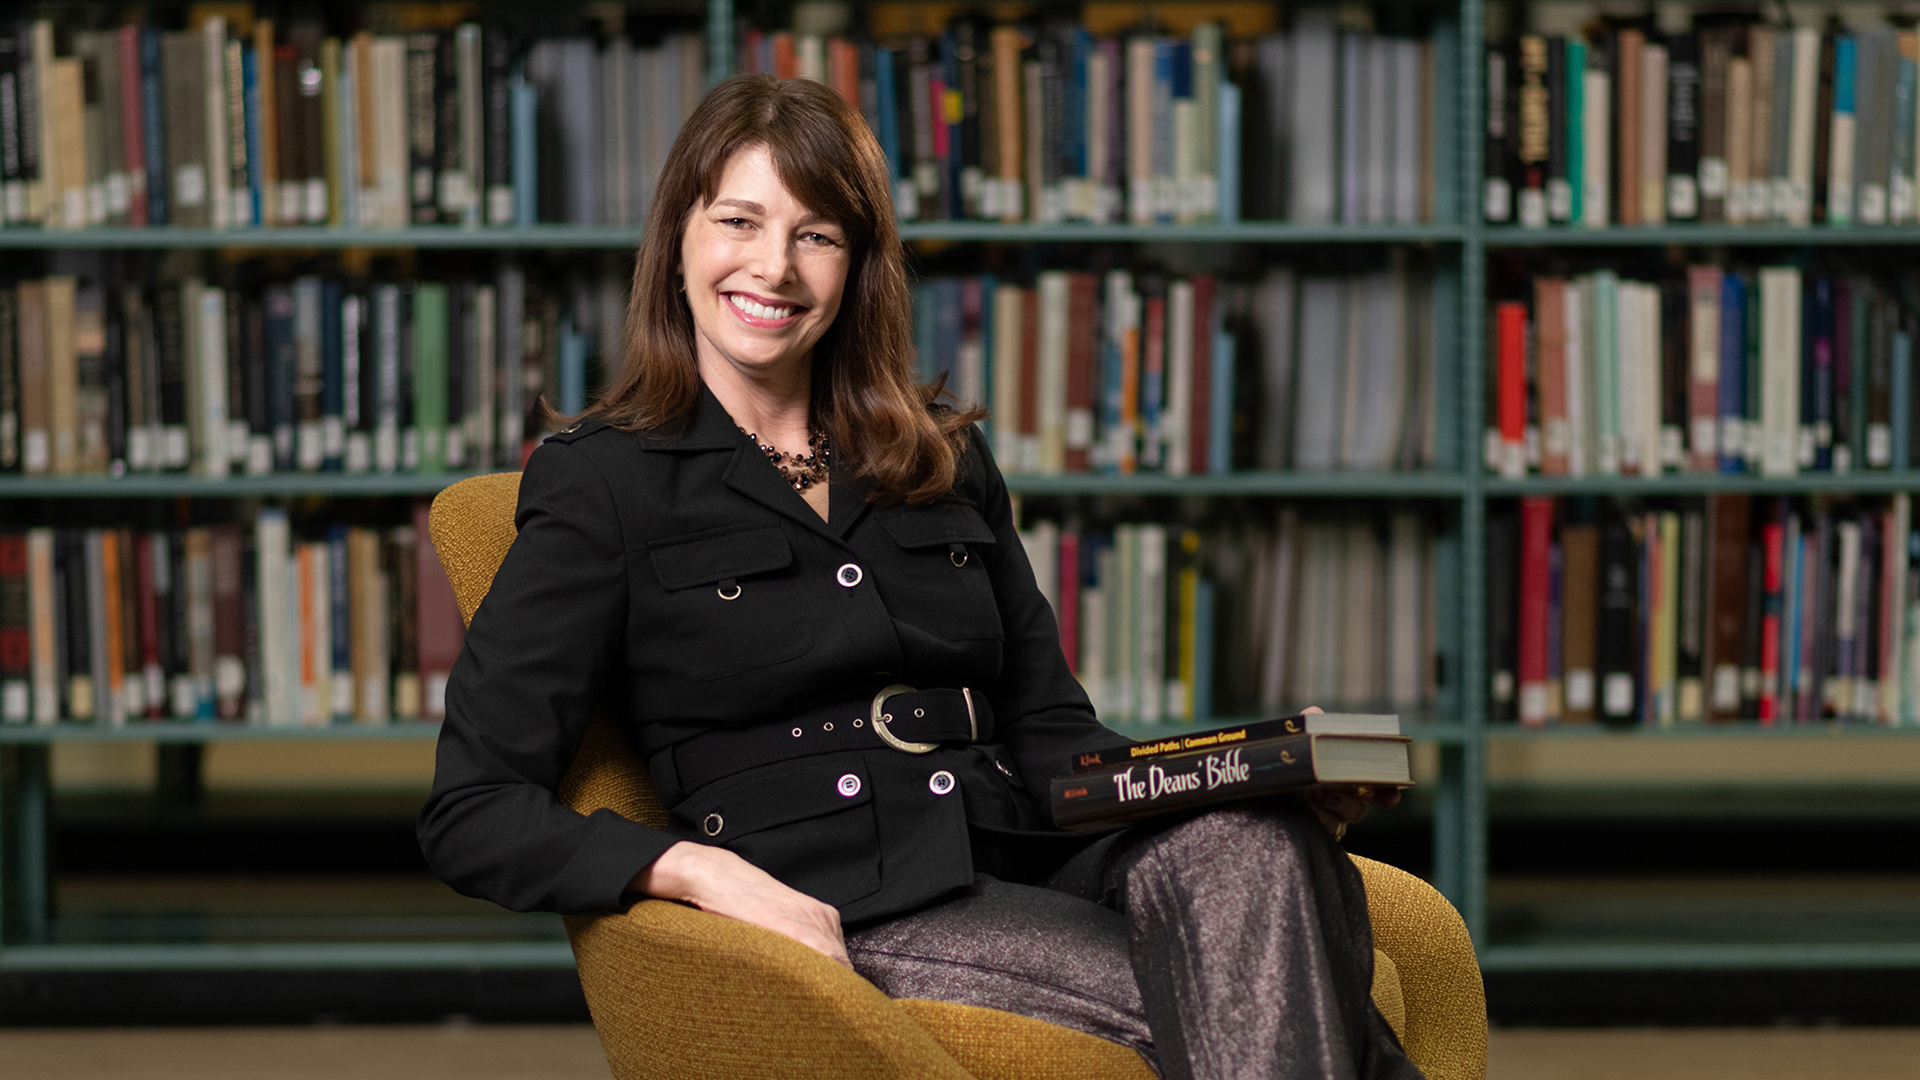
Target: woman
x=796 y=580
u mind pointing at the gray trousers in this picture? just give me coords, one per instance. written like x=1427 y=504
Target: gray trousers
x=1231 y=944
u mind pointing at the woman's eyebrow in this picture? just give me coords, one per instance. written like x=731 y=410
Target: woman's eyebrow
x=745 y=204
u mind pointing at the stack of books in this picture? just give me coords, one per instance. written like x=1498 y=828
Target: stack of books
x=1732 y=120
x=1719 y=609
x=1771 y=370
x=337 y=624
x=1173 y=624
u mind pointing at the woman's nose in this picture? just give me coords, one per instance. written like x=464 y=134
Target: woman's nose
x=771 y=259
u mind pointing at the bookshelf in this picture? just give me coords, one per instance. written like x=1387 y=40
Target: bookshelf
x=1459 y=491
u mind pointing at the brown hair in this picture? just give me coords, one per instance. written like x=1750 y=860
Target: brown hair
x=883 y=424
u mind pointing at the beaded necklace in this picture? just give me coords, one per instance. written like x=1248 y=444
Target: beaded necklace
x=801 y=472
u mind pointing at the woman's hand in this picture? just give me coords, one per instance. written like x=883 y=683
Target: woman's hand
x=715 y=879
x=1340 y=805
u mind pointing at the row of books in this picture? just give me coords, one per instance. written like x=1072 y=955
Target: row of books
x=103 y=374
x=1699 y=610
x=1731 y=120
x=1770 y=370
x=263 y=625
x=233 y=122
x=1170 y=624
x=1141 y=372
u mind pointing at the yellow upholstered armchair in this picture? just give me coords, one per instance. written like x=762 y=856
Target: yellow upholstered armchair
x=680 y=994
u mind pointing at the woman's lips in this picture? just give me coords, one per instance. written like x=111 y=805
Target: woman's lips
x=761 y=312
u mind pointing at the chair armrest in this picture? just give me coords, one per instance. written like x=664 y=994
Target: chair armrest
x=682 y=994
x=1446 y=1003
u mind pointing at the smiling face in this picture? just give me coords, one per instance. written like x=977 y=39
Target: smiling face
x=764 y=277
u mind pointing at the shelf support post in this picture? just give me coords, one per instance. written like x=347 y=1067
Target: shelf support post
x=25 y=830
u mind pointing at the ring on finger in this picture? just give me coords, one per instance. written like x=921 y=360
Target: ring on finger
x=1340 y=831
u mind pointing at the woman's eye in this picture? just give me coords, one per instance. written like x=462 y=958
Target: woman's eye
x=822 y=239
x=736 y=223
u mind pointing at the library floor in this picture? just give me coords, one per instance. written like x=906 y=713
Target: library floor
x=451 y=1052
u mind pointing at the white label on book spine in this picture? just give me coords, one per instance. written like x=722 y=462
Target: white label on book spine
x=1559 y=199
x=500 y=205
x=1683 y=197
x=316 y=193
x=33 y=452
x=117 y=193
x=1713 y=178
x=190 y=185
x=1879 y=446
x=1726 y=687
x=14 y=701
x=1499 y=195
x=1579 y=684
x=1617 y=694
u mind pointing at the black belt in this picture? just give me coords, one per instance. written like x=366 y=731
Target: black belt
x=908 y=720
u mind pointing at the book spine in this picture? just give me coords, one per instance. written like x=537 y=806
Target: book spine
x=1683 y=127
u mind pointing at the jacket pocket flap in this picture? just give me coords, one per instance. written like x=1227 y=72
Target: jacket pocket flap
x=939 y=524
x=702 y=559
x=775 y=795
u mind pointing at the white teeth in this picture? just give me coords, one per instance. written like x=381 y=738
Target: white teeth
x=757 y=309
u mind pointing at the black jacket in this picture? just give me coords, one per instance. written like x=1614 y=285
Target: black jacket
x=612 y=592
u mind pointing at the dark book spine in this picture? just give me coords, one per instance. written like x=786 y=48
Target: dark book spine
x=1819 y=335
x=1532 y=132
x=969 y=41
x=1716 y=48
x=1619 y=624
x=1123 y=792
x=255 y=406
x=403 y=655
x=309 y=108
x=1683 y=127
x=281 y=366
x=79 y=626
x=497 y=140
x=1753 y=627
x=153 y=109
x=1845 y=450
x=1823 y=130
x=1559 y=184
x=1498 y=183
x=1503 y=611
x=1879 y=432
x=1674 y=380
x=9 y=378
x=446 y=132
x=115 y=360
x=239 y=431
x=333 y=431
x=423 y=54
x=459 y=361
x=171 y=341
x=29 y=120
x=13 y=191
x=1691 y=648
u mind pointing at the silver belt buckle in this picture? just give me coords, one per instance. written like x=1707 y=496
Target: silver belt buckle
x=881 y=719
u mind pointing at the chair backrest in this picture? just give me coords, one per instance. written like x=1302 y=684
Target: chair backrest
x=472 y=527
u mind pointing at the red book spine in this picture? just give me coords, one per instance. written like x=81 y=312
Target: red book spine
x=750 y=53
x=785 y=64
x=1083 y=338
x=937 y=91
x=1029 y=375
x=1069 y=612
x=441 y=631
x=846 y=69
x=133 y=132
x=1199 y=433
x=1536 y=552
x=16 y=647
x=1510 y=337
x=1772 y=539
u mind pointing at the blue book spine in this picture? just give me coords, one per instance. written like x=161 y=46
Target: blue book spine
x=1902 y=184
x=1203 y=651
x=1074 y=133
x=250 y=91
x=887 y=106
x=1902 y=400
x=1733 y=369
x=153 y=112
x=340 y=696
x=1220 y=424
x=1228 y=179
x=333 y=431
x=1840 y=200
x=573 y=367
x=946 y=294
x=1574 y=94
x=526 y=171
x=926 y=330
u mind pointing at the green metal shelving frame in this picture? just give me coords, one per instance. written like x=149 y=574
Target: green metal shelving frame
x=1462 y=490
